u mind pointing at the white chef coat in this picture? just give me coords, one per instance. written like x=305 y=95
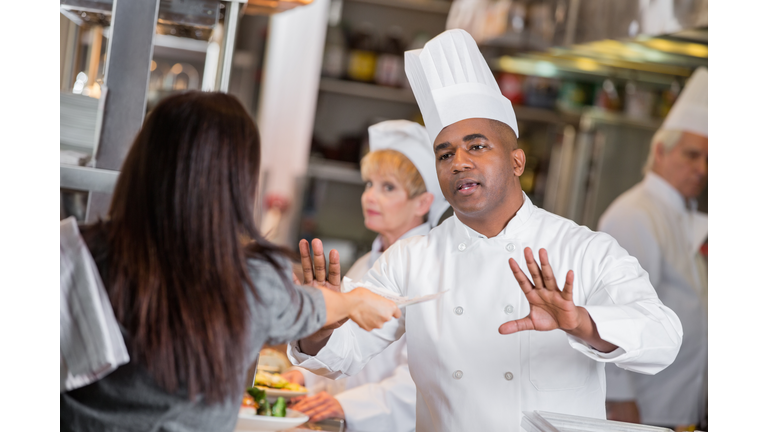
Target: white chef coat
x=382 y=396
x=652 y=223
x=471 y=378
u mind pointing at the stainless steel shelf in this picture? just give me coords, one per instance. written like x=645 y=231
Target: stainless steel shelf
x=87 y=179
x=591 y=115
x=433 y=6
x=333 y=170
x=372 y=91
x=532 y=114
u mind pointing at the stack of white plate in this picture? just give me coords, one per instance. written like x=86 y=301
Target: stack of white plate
x=542 y=421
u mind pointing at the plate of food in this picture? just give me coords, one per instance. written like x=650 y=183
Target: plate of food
x=248 y=420
x=276 y=386
x=258 y=414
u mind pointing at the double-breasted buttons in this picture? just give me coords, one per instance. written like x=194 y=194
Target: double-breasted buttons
x=462 y=246
x=458 y=374
x=509 y=309
x=509 y=376
x=510 y=247
x=458 y=310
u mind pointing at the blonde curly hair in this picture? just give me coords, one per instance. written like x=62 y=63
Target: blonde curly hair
x=394 y=163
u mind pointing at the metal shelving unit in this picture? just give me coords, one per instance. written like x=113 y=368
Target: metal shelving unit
x=121 y=108
x=373 y=91
x=364 y=90
x=335 y=171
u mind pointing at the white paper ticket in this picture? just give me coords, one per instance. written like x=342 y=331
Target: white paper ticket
x=348 y=285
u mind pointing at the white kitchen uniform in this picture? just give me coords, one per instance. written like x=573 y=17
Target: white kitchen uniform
x=382 y=396
x=471 y=378
x=651 y=221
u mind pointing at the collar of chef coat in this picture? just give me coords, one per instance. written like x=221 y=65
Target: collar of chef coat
x=376 y=249
x=697 y=221
x=662 y=189
x=514 y=226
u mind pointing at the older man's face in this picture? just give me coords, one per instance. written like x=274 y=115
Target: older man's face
x=685 y=166
x=477 y=165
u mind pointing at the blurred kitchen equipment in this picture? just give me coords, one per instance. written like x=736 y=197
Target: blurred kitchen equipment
x=363 y=53
x=596 y=165
x=389 y=66
x=123 y=95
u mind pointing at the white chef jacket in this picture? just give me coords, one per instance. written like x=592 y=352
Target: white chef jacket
x=471 y=378
x=652 y=222
x=382 y=396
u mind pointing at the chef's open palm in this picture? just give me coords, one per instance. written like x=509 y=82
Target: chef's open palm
x=551 y=308
x=315 y=274
x=313 y=266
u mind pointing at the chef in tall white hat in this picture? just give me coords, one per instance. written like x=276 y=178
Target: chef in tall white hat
x=402 y=199
x=657 y=221
x=533 y=305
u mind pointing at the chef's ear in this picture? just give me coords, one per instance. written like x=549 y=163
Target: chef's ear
x=518 y=161
x=423 y=203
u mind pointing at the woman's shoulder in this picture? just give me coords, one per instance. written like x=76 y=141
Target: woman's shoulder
x=277 y=268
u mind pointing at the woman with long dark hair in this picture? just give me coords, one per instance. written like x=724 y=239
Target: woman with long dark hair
x=196 y=289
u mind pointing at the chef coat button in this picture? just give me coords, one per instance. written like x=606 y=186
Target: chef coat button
x=458 y=374
x=509 y=309
x=508 y=376
x=462 y=246
x=510 y=247
x=458 y=310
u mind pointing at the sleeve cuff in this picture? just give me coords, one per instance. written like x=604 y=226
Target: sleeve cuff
x=327 y=362
x=616 y=325
x=581 y=346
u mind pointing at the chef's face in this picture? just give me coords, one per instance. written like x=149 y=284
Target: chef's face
x=478 y=165
x=685 y=165
x=387 y=208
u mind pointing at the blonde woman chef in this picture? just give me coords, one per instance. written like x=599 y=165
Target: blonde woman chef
x=402 y=198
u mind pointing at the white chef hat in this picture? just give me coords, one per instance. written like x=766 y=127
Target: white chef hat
x=412 y=141
x=452 y=82
x=689 y=113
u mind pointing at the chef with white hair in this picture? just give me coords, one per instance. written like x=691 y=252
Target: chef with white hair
x=510 y=332
x=402 y=199
x=657 y=222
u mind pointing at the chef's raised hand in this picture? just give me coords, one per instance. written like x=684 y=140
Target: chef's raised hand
x=552 y=308
x=368 y=310
x=313 y=266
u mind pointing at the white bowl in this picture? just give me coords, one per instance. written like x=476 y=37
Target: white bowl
x=247 y=420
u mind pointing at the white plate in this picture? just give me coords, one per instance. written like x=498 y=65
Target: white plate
x=273 y=394
x=247 y=420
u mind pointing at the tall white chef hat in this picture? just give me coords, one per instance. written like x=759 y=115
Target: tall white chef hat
x=412 y=141
x=689 y=113
x=452 y=82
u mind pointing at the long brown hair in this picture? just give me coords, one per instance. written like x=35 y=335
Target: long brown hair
x=180 y=230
